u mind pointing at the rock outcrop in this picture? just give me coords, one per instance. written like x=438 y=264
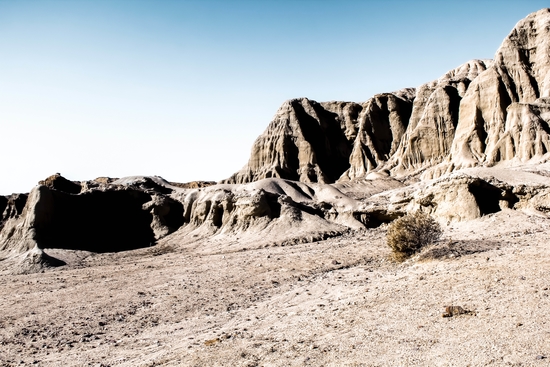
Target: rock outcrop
x=382 y=124
x=435 y=115
x=482 y=113
x=60 y=183
x=467 y=195
x=504 y=114
x=100 y=218
x=306 y=141
x=11 y=206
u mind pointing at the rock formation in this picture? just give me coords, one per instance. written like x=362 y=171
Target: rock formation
x=99 y=218
x=306 y=141
x=504 y=114
x=481 y=113
x=11 y=206
x=60 y=183
x=382 y=123
x=431 y=128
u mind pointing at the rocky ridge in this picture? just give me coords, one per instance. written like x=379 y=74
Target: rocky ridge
x=484 y=112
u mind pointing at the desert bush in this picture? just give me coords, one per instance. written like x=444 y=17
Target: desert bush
x=408 y=234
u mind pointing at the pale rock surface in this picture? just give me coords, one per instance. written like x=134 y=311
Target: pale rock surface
x=283 y=211
x=504 y=113
x=306 y=141
x=469 y=194
x=382 y=123
x=431 y=128
x=482 y=113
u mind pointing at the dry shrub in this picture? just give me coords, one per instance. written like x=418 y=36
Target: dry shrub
x=408 y=234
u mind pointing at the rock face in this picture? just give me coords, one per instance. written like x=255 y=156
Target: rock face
x=504 y=114
x=467 y=195
x=382 y=124
x=100 y=218
x=431 y=128
x=481 y=113
x=11 y=206
x=306 y=141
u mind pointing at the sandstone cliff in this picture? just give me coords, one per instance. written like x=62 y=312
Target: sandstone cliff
x=504 y=113
x=306 y=141
x=481 y=113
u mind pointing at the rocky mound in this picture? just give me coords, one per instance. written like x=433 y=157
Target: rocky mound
x=60 y=183
x=136 y=212
x=482 y=113
x=100 y=218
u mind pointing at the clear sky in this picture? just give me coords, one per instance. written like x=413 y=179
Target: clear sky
x=181 y=89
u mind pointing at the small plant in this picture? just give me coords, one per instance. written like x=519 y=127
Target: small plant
x=408 y=234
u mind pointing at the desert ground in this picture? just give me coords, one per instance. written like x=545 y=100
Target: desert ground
x=336 y=302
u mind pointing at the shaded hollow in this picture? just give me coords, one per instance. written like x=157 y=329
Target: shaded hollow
x=14 y=206
x=490 y=198
x=3 y=204
x=376 y=218
x=327 y=139
x=98 y=221
x=174 y=217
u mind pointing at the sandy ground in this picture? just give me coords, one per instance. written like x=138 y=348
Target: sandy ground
x=338 y=302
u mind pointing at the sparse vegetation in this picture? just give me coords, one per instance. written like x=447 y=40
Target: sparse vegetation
x=408 y=234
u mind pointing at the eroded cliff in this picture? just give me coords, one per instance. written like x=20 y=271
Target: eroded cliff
x=482 y=113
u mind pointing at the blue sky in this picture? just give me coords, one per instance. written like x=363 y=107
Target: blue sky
x=181 y=89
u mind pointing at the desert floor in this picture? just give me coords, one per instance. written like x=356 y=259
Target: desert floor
x=338 y=302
